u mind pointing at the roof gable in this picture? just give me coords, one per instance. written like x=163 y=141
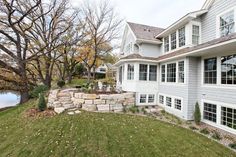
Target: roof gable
x=208 y=4
x=145 y=32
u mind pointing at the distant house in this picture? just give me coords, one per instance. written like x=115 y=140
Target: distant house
x=105 y=70
x=192 y=60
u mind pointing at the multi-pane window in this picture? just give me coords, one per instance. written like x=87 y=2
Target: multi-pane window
x=210 y=71
x=228 y=69
x=178 y=104
x=195 y=35
x=151 y=98
x=143 y=69
x=130 y=72
x=143 y=98
x=181 y=72
x=168 y=101
x=171 y=72
x=227 y=23
x=167 y=44
x=182 y=37
x=161 y=99
x=173 y=41
x=152 y=73
x=163 y=73
x=228 y=117
x=209 y=112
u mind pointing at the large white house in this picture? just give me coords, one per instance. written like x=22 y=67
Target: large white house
x=193 y=60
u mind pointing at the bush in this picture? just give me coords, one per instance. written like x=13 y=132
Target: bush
x=61 y=83
x=205 y=131
x=216 y=136
x=197 y=114
x=42 y=106
x=134 y=109
x=232 y=145
x=37 y=90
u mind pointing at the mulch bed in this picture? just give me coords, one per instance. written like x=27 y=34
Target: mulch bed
x=35 y=113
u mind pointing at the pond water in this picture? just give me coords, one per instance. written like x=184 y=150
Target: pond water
x=8 y=99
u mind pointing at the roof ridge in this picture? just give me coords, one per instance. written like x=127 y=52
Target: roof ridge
x=144 y=25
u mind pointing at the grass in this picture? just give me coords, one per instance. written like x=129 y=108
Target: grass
x=77 y=82
x=94 y=134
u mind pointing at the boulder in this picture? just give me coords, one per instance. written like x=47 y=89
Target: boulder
x=78 y=95
x=89 y=102
x=88 y=107
x=117 y=108
x=90 y=96
x=71 y=113
x=104 y=97
x=59 y=110
x=99 y=102
x=103 y=108
x=63 y=95
x=78 y=101
x=128 y=95
x=77 y=112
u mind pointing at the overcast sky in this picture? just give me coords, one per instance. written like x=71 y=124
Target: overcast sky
x=160 y=13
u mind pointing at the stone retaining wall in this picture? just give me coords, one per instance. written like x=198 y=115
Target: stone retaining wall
x=62 y=100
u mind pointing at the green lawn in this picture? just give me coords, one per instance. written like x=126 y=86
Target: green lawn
x=93 y=134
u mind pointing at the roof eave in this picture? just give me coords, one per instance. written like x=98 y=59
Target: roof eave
x=140 y=41
x=181 y=22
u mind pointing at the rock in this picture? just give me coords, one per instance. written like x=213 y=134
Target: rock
x=117 y=96
x=103 y=108
x=104 y=97
x=99 y=102
x=71 y=113
x=63 y=95
x=90 y=96
x=111 y=102
x=77 y=112
x=88 y=107
x=59 y=110
x=128 y=95
x=78 y=95
x=68 y=106
x=78 y=101
x=89 y=102
x=117 y=107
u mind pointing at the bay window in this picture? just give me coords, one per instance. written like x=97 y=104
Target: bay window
x=171 y=72
x=130 y=72
x=228 y=69
x=163 y=73
x=181 y=72
x=227 y=23
x=152 y=73
x=143 y=69
x=210 y=71
x=182 y=37
x=195 y=35
x=167 y=44
x=173 y=41
x=209 y=112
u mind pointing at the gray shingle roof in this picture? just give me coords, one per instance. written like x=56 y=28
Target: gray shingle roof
x=145 y=32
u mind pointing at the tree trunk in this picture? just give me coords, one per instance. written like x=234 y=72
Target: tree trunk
x=89 y=75
x=69 y=77
x=24 y=97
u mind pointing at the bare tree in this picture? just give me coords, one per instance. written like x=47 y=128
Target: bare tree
x=14 y=42
x=102 y=26
x=55 y=21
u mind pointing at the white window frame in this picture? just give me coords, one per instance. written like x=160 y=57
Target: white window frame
x=181 y=104
x=172 y=108
x=218 y=119
x=218 y=33
x=147 y=99
x=177 y=72
x=149 y=65
x=130 y=74
x=148 y=72
x=184 y=36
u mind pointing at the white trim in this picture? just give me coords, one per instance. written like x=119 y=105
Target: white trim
x=218 y=114
x=146 y=103
x=218 y=35
x=172 y=102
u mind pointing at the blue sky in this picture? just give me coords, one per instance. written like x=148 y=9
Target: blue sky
x=161 y=13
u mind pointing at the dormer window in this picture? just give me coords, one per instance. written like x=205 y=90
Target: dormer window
x=173 y=41
x=227 y=23
x=182 y=37
x=195 y=35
